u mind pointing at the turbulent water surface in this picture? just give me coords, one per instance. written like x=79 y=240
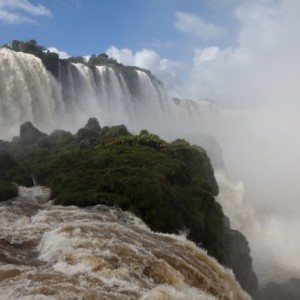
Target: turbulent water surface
x=56 y=252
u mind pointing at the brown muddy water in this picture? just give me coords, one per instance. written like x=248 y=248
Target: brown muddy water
x=56 y=252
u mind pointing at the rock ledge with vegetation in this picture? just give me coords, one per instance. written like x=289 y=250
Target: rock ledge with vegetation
x=171 y=186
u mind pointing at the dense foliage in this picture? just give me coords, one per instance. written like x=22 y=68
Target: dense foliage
x=171 y=186
x=7 y=190
x=11 y=171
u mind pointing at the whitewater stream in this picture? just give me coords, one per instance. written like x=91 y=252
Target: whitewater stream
x=56 y=252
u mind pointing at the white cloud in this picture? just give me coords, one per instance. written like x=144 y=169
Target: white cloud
x=196 y=26
x=20 y=11
x=205 y=55
x=87 y=57
x=61 y=54
x=165 y=69
x=266 y=56
x=12 y=18
x=124 y=56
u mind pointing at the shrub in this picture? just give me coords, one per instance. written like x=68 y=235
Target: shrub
x=7 y=190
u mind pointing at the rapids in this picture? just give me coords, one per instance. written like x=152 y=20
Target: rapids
x=56 y=252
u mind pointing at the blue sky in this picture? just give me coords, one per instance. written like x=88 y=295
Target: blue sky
x=83 y=27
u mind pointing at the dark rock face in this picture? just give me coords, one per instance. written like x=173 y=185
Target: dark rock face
x=237 y=253
x=93 y=124
x=289 y=290
x=30 y=134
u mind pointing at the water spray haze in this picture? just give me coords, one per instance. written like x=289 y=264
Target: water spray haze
x=257 y=86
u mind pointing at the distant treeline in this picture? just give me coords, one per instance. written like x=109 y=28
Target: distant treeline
x=51 y=59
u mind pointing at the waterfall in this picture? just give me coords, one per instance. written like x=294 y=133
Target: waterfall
x=197 y=116
x=28 y=92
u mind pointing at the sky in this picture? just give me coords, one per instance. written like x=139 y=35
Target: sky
x=243 y=54
x=91 y=26
x=158 y=34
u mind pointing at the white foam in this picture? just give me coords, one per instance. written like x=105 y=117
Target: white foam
x=165 y=292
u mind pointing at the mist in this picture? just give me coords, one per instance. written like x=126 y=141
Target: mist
x=256 y=86
x=255 y=83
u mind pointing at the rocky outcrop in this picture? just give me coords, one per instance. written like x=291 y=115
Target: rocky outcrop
x=288 y=290
x=237 y=253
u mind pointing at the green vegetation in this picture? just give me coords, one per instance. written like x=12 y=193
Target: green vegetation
x=171 y=186
x=10 y=171
x=7 y=190
x=51 y=59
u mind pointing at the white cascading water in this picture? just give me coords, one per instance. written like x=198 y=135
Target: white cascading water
x=56 y=252
x=27 y=93
x=30 y=93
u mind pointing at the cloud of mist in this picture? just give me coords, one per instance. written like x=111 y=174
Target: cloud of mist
x=256 y=85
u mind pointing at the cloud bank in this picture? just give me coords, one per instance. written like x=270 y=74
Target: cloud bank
x=256 y=84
